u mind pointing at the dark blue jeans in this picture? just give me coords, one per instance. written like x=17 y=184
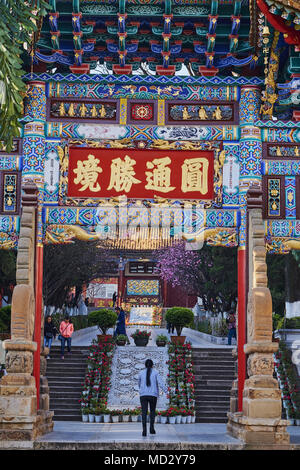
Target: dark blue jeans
x=231 y=334
x=62 y=345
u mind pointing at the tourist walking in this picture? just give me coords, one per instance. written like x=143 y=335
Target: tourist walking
x=50 y=333
x=121 y=328
x=66 y=330
x=149 y=384
x=231 y=327
x=114 y=299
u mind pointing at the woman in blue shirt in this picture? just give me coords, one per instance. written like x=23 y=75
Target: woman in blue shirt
x=149 y=383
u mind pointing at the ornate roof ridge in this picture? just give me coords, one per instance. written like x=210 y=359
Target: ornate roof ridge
x=161 y=80
x=277 y=124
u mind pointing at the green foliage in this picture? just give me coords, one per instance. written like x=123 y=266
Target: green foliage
x=179 y=317
x=7 y=272
x=278 y=321
x=292 y=323
x=161 y=338
x=5 y=314
x=220 y=329
x=104 y=319
x=73 y=265
x=79 y=321
x=203 y=326
x=18 y=22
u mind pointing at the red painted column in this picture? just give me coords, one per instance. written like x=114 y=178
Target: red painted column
x=38 y=317
x=241 y=330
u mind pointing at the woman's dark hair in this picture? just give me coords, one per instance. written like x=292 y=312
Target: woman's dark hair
x=149 y=365
x=48 y=316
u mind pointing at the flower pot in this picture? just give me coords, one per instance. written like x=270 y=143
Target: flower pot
x=141 y=341
x=189 y=419
x=125 y=418
x=193 y=419
x=158 y=418
x=160 y=344
x=172 y=419
x=298 y=422
x=103 y=338
x=134 y=418
x=180 y=340
x=121 y=343
x=178 y=419
x=115 y=419
x=98 y=418
x=91 y=418
x=163 y=419
x=106 y=418
x=85 y=418
x=183 y=419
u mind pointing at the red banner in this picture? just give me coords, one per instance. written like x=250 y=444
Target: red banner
x=95 y=172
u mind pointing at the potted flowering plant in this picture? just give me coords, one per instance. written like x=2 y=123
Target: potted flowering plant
x=91 y=414
x=141 y=337
x=163 y=416
x=106 y=415
x=125 y=415
x=85 y=414
x=115 y=415
x=121 y=340
x=171 y=414
x=161 y=340
x=98 y=414
x=135 y=413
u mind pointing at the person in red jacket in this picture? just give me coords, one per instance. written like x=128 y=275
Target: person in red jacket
x=66 y=329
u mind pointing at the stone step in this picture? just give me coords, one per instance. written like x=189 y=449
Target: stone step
x=209 y=362
x=77 y=388
x=71 y=397
x=61 y=417
x=215 y=369
x=208 y=398
x=62 y=368
x=64 y=406
x=211 y=420
x=66 y=374
x=209 y=390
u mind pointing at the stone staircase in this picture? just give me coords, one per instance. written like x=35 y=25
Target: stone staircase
x=214 y=374
x=65 y=379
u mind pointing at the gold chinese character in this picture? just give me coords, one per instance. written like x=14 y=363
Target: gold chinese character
x=195 y=175
x=87 y=173
x=122 y=174
x=159 y=178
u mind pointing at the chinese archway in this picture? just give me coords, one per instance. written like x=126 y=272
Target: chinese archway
x=213 y=126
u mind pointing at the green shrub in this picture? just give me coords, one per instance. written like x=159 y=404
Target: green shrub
x=79 y=321
x=180 y=317
x=204 y=326
x=104 y=319
x=292 y=323
x=220 y=329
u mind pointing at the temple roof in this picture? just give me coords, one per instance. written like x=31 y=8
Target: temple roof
x=207 y=36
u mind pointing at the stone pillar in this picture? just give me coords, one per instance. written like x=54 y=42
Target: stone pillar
x=33 y=170
x=18 y=407
x=250 y=156
x=259 y=425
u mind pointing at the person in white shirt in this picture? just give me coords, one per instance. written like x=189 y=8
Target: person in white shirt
x=149 y=383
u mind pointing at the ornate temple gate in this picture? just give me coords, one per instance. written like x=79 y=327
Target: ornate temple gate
x=206 y=118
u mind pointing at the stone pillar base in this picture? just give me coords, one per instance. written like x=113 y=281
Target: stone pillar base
x=26 y=428
x=259 y=433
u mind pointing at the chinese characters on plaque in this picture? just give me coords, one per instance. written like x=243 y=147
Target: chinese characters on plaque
x=140 y=173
